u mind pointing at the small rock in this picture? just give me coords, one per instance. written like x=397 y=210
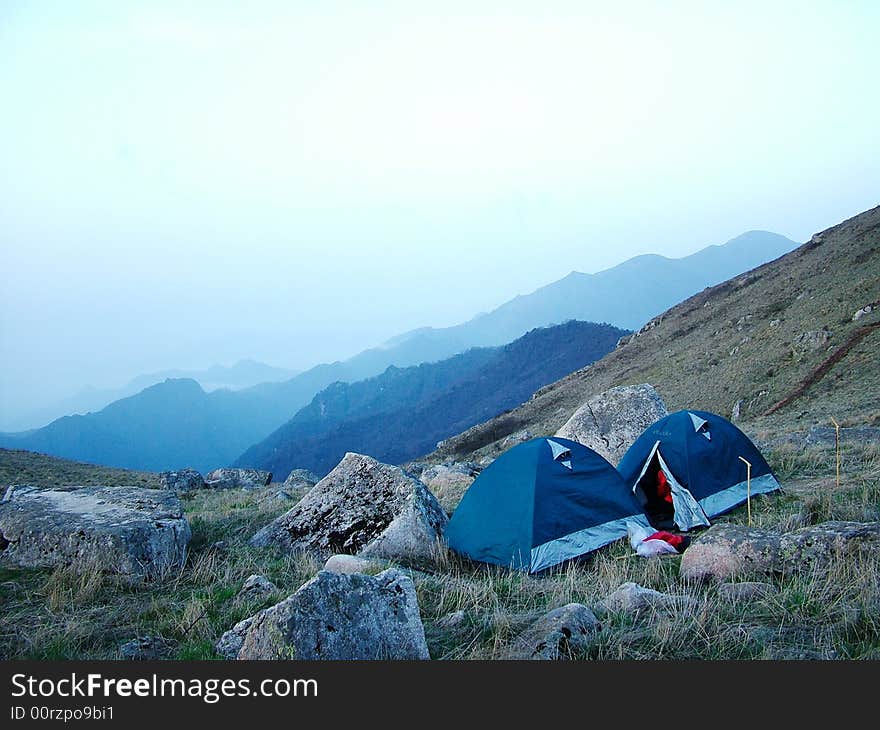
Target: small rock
x=452 y=620
x=341 y=617
x=516 y=438
x=301 y=479
x=559 y=634
x=775 y=322
x=813 y=340
x=146 y=648
x=610 y=422
x=635 y=599
x=746 y=591
x=182 y=481
x=238 y=479
x=349 y=564
x=257 y=585
x=737 y=410
x=859 y=313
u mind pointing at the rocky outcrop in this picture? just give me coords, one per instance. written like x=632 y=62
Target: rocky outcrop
x=559 y=634
x=362 y=507
x=610 y=422
x=726 y=551
x=348 y=564
x=257 y=586
x=238 y=479
x=182 y=481
x=130 y=531
x=341 y=617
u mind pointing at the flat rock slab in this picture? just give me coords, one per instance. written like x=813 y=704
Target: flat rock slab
x=341 y=617
x=131 y=531
x=238 y=479
x=610 y=422
x=746 y=591
x=729 y=551
x=815 y=546
x=362 y=507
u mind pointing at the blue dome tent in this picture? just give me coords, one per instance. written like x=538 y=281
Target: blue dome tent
x=540 y=503
x=695 y=457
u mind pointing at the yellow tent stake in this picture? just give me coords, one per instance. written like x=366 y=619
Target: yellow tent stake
x=748 y=487
x=837 y=447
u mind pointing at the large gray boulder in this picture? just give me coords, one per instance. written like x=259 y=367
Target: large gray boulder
x=238 y=479
x=341 y=617
x=182 y=481
x=362 y=507
x=558 y=634
x=730 y=551
x=131 y=531
x=610 y=422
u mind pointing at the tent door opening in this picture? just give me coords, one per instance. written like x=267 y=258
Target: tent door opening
x=655 y=496
x=665 y=501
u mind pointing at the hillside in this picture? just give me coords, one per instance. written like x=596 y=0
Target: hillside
x=785 y=330
x=27 y=467
x=403 y=413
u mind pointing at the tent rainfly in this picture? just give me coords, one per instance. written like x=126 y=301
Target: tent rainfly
x=540 y=503
x=698 y=454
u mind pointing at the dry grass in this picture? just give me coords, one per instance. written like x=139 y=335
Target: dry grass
x=66 y=614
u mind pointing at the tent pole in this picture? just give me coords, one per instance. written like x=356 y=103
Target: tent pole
x=837 y=447
x=748 y=488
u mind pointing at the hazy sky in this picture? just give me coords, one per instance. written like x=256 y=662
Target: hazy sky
x=191 y=183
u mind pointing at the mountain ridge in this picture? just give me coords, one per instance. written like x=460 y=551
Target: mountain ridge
x=747 y=343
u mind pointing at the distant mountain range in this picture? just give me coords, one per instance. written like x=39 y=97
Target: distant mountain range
x=792 y=343
x=403 y=413
x=243 y=374
x=176 y=423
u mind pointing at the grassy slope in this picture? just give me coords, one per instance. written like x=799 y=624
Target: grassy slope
x=739 y=341
x=57 y=614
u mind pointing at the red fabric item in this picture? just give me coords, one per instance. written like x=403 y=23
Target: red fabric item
x=674 y=540
x=664 y=491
